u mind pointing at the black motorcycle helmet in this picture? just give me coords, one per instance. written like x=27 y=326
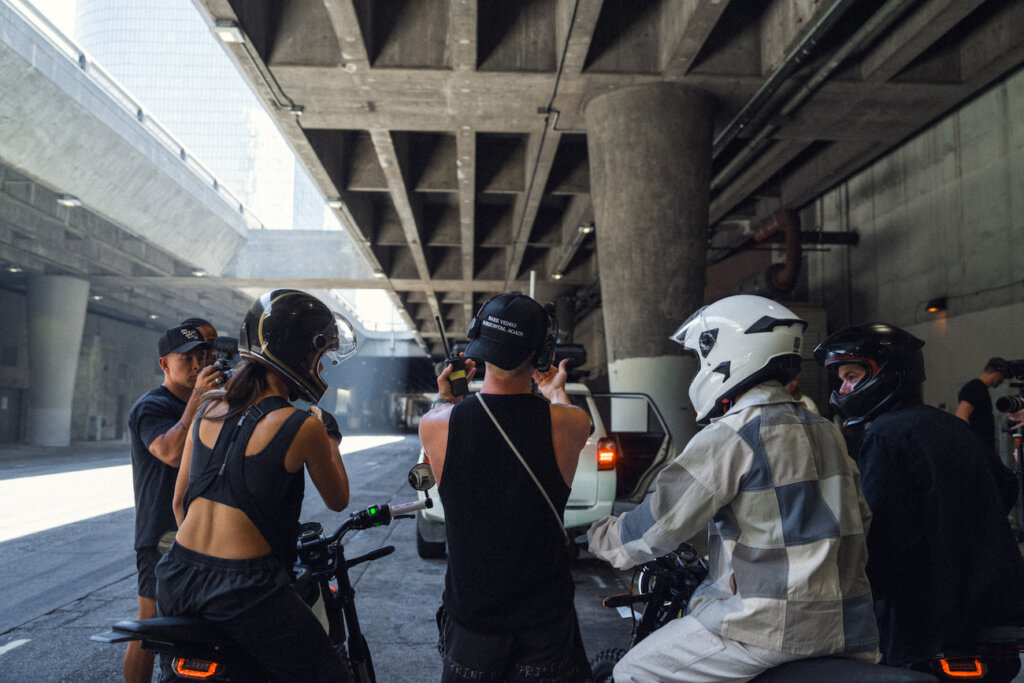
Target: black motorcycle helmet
x=893 y=361
x=291 y=332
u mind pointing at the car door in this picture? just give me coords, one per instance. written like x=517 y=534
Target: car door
x=642 y=441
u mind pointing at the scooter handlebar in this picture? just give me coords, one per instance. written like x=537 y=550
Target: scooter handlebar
x=406 y=508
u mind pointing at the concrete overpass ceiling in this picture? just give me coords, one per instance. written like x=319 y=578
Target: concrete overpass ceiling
x=453 y=131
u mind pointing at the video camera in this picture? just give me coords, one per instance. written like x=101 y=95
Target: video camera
x=225 y=355
x=1013 y=370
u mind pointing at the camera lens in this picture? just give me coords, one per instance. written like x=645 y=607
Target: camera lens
x=1010 y=404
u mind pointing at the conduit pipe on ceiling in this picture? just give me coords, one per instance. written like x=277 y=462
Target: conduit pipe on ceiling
x=793 y=61
x=878 y=22
x=778 y=278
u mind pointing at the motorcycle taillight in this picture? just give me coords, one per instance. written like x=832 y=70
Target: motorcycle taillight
x=963 y=667
x=196 y=669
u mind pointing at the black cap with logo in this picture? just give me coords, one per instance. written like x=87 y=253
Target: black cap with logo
x=507 y=330
x=181 y=339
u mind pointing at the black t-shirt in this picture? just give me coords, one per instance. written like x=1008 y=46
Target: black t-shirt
x=152 y=415
x=981 y=421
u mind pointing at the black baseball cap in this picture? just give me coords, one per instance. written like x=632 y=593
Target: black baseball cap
x=509 y=328
x=181 y=339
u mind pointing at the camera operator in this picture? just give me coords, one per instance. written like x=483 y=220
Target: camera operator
x=209 y=334
x=975 y=405
x=158 y=424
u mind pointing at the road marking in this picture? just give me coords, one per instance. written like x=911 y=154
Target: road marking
x=4 y=649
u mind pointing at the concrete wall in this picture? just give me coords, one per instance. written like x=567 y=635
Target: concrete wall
x=117 y=364
x=943 y=215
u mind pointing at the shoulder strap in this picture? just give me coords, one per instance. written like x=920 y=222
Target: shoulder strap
x=522 y=460
x=233 y=431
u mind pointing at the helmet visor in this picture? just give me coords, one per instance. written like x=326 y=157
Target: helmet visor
x=342 y=341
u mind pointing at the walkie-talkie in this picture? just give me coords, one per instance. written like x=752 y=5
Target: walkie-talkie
x=460 y=386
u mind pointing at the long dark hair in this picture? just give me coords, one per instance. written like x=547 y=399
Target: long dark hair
x=248 y=380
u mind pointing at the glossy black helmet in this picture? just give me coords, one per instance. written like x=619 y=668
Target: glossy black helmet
x=295 y=333
x=892 y=359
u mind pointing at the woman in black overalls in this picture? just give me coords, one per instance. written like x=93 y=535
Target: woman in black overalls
x=239 y=491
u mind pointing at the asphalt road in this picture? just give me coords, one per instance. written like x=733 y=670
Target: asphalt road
x=67 y=568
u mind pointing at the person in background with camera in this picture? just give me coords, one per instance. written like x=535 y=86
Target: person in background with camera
x=942 y=559
x=232 y=557
x=158 y=424
x=209 y=333
x=504 y=461
x=975 y=405
x=780 y=499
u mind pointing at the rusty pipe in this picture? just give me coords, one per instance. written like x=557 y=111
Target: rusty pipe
x=784 y=278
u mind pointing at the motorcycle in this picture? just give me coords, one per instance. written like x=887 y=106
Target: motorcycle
x=199 y=650
x=660 y=591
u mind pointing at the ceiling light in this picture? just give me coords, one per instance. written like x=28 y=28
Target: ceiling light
x=97 y=297
x=556 y=276
x=378 y=273
x=334 y=203
x=13 y=269
x=153 y=316
x=936 y=305
x=68 y=200
x=198 y=272
x=228 y=31
x=587 y=228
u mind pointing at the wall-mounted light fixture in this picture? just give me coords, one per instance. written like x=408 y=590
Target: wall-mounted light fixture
x=228 y=31
x=334 y=203
x=13 y=269
x=68 y=200
x=936 y=305
x=97 y=297
x=379 y=274
x=198 y=272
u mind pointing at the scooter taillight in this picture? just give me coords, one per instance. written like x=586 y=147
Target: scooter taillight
x=197 y=669
x=963 y=667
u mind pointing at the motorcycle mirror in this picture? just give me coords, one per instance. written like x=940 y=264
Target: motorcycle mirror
x=421 y=477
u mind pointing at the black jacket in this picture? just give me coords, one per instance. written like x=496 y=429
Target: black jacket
x=942 y=559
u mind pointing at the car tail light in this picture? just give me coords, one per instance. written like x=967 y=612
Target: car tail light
x=963 y=667
x=607 y=454
x=197 y=669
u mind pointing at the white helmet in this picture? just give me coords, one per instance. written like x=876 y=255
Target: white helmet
x=739 y=342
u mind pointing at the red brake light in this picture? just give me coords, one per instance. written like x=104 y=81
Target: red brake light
x=200 y=669
x=963 y=668
x=606 y=454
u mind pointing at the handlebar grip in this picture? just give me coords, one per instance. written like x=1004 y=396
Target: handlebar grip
x=405 y=508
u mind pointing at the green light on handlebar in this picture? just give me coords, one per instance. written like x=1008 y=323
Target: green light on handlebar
x=372 y=510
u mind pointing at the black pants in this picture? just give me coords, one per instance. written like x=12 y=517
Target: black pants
x=251 y=600
x=551 y=653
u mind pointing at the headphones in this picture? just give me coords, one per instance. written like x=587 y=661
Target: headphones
x=545 y=354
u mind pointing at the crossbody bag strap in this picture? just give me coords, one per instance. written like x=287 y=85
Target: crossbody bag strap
x=522 y=460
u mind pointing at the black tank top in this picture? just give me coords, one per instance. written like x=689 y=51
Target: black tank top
x=275 y=492
x=508 y=567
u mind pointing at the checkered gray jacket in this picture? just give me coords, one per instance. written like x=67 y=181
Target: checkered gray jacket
x=786 y=521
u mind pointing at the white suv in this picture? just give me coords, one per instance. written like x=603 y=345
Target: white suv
x=612 y=467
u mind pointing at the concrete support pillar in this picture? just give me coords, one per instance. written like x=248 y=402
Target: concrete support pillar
x=56 y=317
x=650 y=173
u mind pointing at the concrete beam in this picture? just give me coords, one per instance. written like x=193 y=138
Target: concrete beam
x=928 y=23
x=699 y=25
x=540 y=155
x=398 y=188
